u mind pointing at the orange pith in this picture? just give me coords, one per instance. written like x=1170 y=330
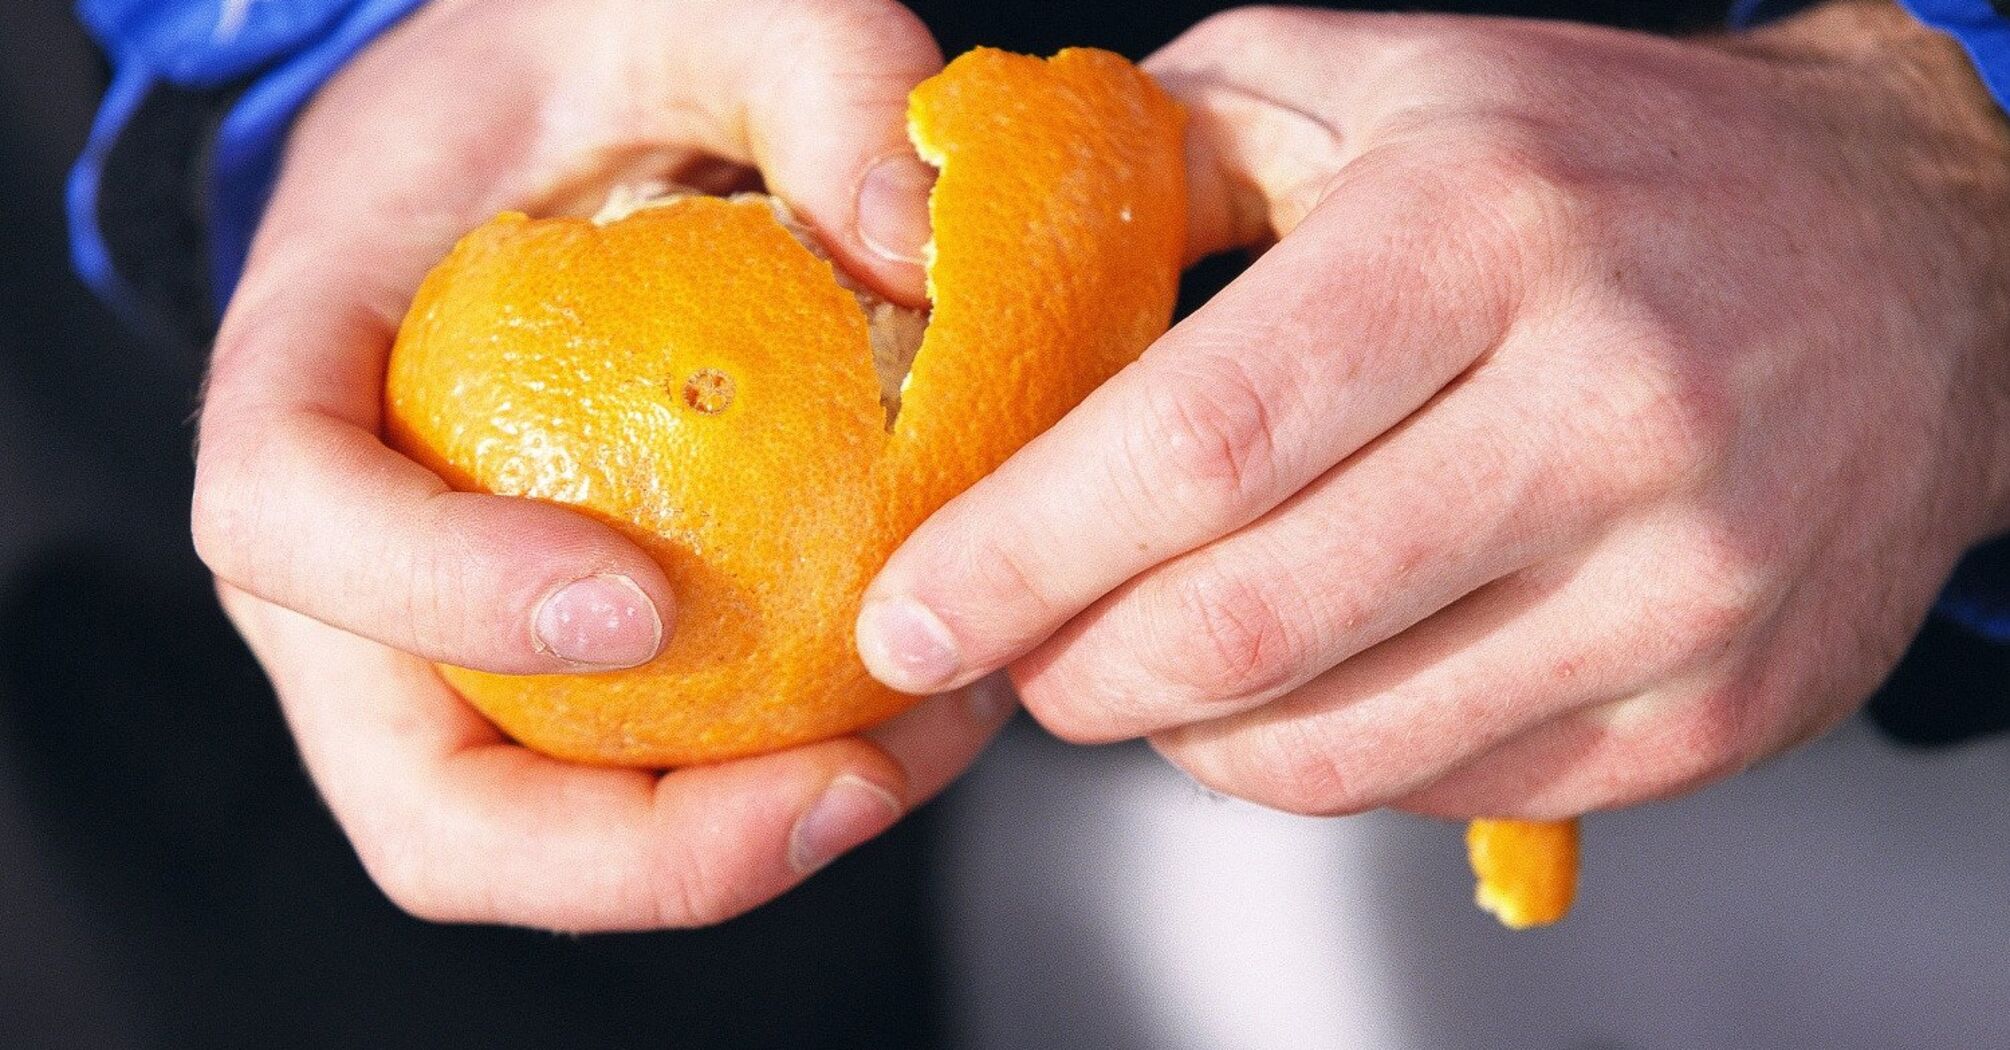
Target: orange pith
x=694 y=376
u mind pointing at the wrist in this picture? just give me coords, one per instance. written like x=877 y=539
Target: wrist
x=1957 y=151
x=1881 y=40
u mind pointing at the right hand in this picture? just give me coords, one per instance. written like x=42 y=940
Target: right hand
x=350 y=569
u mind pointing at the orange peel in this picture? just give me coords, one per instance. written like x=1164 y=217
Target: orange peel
x=696 y=377
x=1526 y=869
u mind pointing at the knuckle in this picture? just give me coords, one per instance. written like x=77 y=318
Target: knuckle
x=1671 y=418
x=1281 y=765
x=685 y=901
x=1679 y=747
x=686 y=891
x=1089 y=708
x=1208 y=422
x=1714 y=730
x=1722 y=597
x=873 y=42
x=1230 y=637
x=222 y=514
x=998 y=574
x=440 y=579
x=1704 y=742
x=215 y=526
x=1518 y=188
x=1287 y=766
x=1709 y=627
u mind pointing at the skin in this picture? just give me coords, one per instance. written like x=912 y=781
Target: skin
x=1603 y=419
x=338 y=559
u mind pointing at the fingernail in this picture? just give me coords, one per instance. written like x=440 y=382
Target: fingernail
x=851 y=810
x=906 y=646
x=600 y=621
x=893 y=208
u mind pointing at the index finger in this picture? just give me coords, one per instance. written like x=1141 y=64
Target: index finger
x=1336 y=335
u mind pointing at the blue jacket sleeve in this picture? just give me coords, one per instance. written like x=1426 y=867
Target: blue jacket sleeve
x=276 y=52
x=1983 y=29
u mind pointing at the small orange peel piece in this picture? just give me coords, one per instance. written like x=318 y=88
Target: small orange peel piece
x=693 y=374
x=1527 y=869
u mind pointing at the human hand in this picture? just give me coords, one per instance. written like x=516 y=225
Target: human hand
x=1604 y=419
x=338 y=557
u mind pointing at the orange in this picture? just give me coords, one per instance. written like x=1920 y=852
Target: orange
x=1527 y=869
x=695 y=376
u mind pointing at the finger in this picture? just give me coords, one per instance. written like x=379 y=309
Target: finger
x=1679 y=736
x=606 y=91
x=1522 y=652
x=1481 y=483
x=938 y=739
x=296 y=501
x=312 y=512
x=457 y=824
x=1277 y=99
x=815 y=96
x=1334 y=336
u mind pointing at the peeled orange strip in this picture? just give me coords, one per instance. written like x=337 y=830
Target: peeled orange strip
x=693 y=375
x=1527 y=869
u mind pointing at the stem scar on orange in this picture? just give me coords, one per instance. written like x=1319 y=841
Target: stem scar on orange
x=695 y=375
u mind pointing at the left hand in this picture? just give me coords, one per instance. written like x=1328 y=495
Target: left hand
x=1604 y=419
x=351 y=569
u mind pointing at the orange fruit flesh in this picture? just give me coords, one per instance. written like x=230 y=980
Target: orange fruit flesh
x=694 y=376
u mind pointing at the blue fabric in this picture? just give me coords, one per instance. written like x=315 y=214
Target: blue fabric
x=1978 y=597
x=282 y=50
x=1982 y=28
x=1748 y=13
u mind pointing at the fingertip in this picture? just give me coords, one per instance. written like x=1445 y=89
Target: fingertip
x=520 y=586
x=829 y=132
x=823 y=800
x=850 y=811
x=893 y=226
x=937 y=739
x=907 y=647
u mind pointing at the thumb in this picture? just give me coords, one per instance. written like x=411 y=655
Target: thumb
x=1273 y=113
x=824 y=118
